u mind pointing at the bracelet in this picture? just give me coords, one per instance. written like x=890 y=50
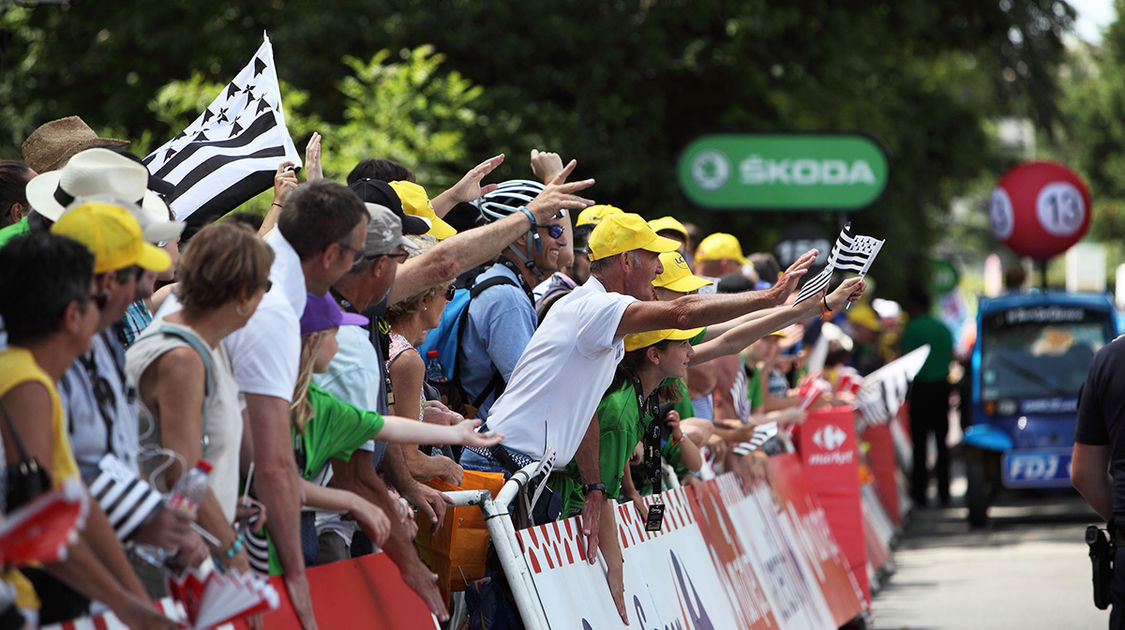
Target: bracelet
x=824 y=310
x=590 y=487
x=235 y=547
x=530 y=217
x=276 y=204
x=679 y=439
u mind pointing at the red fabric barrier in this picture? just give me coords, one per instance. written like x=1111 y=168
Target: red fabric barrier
x=827 y=444
x=367 y=591
x=881 y=461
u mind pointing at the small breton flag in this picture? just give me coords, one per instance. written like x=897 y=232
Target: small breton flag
x=885 y=390
x=231 y=152
x=850 y=253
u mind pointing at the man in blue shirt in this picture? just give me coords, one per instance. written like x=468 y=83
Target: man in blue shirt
x=501 y=315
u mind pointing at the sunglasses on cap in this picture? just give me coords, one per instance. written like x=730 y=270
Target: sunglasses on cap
x=449 y=291
x=554 y=230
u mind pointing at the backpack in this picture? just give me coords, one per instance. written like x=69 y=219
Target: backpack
x=446 y=340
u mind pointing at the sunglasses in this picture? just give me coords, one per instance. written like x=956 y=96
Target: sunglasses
x=267 y=286
x=554 y=230
x=99 y=299
x=449 y=292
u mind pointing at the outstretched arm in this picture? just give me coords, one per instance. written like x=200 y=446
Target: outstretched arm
x=468 y=188
x=460 y=253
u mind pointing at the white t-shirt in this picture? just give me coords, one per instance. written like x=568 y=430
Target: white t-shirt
x=562 y=374
x=266 y=352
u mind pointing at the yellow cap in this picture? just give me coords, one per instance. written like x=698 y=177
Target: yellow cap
x=668 y=223
x=637 y=341
x=720 y=246
x=112 y=235
x=863 y=315
x=624 y=232
x=595 y=214
x=677 y=276
x=416 y=202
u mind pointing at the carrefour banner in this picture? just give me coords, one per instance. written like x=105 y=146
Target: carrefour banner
x=784 y=171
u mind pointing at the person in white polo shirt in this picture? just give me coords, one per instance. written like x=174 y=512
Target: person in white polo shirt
x=556 y=385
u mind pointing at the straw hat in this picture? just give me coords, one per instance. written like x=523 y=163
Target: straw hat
x=53 y=143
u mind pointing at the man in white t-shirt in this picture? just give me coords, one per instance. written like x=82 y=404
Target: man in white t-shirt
x=568 y=364
x=320 y=231
x=356 y=374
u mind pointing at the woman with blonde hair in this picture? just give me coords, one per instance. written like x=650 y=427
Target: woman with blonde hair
x=410 y=320
x=183 y=375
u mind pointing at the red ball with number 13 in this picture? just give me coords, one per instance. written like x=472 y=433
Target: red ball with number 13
x=1040 y=209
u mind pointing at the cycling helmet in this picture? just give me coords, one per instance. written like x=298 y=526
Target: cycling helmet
x=508 y=197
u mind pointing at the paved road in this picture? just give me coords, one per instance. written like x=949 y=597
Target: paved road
x=1028 y=569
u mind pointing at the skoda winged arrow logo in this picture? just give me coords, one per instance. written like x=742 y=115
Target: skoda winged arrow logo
x=829 y=437
x=710 y=170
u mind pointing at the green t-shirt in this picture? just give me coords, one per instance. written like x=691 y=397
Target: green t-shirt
x=621 y=424
x=336 y=430
x=754 y=389
x=14 y=230
x=927 y=329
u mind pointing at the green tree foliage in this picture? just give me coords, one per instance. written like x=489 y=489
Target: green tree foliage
x=623 y=85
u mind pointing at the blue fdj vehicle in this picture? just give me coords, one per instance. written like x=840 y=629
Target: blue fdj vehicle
x=1029 y=362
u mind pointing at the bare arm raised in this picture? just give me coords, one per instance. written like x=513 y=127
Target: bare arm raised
x=460 y=253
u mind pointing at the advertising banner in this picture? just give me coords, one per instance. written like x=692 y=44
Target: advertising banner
x=827 y=445
x=881 y=461
x=814 y=537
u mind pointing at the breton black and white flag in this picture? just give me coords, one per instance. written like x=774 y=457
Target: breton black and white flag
x=231 y=152
x=850 y=253
x=884 y=390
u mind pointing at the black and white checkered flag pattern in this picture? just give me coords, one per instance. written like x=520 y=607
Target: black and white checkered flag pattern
x=231 y=152
x=850 y=253
x=884 y=390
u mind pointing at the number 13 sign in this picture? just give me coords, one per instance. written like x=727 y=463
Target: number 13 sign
x=1040 y=209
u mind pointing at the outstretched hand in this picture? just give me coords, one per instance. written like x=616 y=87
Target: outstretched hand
x=788 y=280
x=470 y=437
x=470 y=188
x=313 y=168
x=559 y=195
x=546 y=165
x=850 y=290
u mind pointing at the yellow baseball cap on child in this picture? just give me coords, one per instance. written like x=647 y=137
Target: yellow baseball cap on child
x=637 y=341
x=720 y=246
x=624 y=232
x=416 y=202
x=677 y=276
x=112 y=235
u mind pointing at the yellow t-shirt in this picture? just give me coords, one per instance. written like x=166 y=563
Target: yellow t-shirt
x=18 y=366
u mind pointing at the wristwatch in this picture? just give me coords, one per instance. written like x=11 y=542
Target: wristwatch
x=590 y=487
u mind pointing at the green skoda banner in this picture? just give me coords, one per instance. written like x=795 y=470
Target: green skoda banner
x=783 y=171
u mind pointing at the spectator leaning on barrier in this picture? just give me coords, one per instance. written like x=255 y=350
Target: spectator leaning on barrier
x=183 y=375
x=368 y=287
x=50 y=304
x=500 y=318
x=101 y=416
x=570 y=361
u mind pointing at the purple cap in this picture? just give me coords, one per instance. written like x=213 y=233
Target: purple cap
x=322 y=313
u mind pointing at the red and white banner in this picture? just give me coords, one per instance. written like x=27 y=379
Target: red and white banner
x=828 y=449
x=724 y=558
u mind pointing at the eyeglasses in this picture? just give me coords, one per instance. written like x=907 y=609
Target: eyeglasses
x=401 y=256
x=449 y=292
x=267 y=286
x=356 y=253
x=554 y=230
x=99 y=299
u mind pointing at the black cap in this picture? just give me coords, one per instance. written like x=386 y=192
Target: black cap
x=380 y=192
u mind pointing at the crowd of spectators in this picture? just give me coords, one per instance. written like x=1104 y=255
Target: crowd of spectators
x=290 y=352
